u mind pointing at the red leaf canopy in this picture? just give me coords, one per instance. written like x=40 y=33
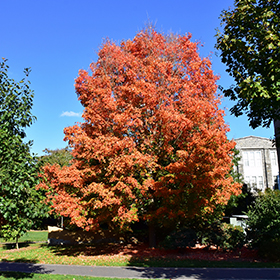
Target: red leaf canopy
x=153 y=143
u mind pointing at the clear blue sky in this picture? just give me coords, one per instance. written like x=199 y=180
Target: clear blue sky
x=56 y=38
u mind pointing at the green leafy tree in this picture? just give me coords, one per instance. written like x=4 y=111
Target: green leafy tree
x=235 y=174
x=250 y=48
x=20 y=203
x=62 y=157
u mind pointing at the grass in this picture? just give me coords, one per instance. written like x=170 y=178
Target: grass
x=35 y=276
x=30 y=236
x=107 y=255
x=84 y=255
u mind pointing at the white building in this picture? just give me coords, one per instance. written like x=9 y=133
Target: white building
x=258 y=164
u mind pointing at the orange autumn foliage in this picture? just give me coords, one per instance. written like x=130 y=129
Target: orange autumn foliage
x=153 y=143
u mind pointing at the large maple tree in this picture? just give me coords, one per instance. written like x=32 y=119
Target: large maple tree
x=153 y=144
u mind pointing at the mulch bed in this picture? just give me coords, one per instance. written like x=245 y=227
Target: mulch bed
x=197 y=253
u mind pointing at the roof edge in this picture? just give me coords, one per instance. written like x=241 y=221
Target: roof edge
x=252 y=136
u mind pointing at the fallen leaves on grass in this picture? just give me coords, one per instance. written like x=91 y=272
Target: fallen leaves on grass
x=120 y=254
x=143 y=251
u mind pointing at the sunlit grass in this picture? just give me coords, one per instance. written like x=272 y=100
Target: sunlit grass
x=35 y=276
x=103 y=255
x=54 y=255
x=31 y=236
x=41 y=253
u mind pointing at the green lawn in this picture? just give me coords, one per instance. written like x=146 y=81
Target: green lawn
x=84 y=255
x=103 y=255
x=35 y=276
x=31 y=236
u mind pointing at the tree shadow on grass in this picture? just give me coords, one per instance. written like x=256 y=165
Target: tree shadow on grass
x=85 y=250
x=21 y=268
x=16 y=275
x=10 y=246
x=135 y=254
x=142 y=256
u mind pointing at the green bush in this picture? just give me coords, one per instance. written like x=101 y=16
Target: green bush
x=211 y=234
x=224 y=236
x=180 y=239
x=264 y=219
x=233 y=236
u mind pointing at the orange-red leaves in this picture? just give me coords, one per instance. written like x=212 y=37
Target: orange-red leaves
x=153 y=137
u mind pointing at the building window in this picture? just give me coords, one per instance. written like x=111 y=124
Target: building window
x=276 y=182
x=246 y=158
x=252 y=158
x=258 y=158
x=260 y=182
x=255 y=182
x=273 y=158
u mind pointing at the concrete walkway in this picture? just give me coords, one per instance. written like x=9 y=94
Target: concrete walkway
x=145 y=273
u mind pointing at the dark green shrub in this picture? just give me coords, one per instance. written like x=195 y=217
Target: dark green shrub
x=233 y=236
x=211 y=235
x=224 y=236
x=264 y=219
x=270 y=249
x=180 y=239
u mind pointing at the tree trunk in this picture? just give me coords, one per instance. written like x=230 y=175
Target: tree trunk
x=152 y=235
x=17 y=247
x=277 y=141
